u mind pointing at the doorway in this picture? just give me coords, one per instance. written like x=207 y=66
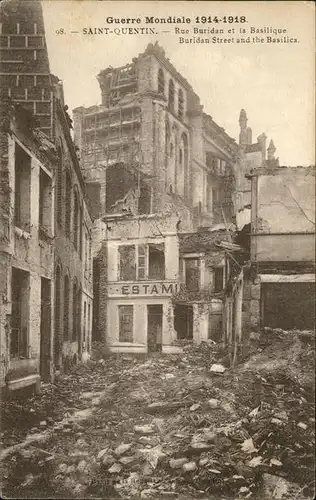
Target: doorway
x=45 y=328
x=183 y=321
x=154 y=328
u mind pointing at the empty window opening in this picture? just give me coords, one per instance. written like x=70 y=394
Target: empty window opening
x=180 y=104
x=142 y=262
x=183 y=321
x=192 y=274
x=215 y=326
x=22 y=189
x=68 y=205
x=171 y=95
x=209 y=193
x=89 y=328
x=161 y=82
x=66 y=307
x=126 y=321
x=154 y=327
x=45 y=328
x=144 y=201
x=57 y=336
x=76 y=220
x=96 y=329
x=127 y=270
x=80 y=232
x=218 y=279
x=156 y=258
x=84 y=322
x=20 y=313
x=59 y=185
x=74 y=311
x=45 y=202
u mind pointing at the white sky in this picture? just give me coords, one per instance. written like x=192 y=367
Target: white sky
x=273 y=82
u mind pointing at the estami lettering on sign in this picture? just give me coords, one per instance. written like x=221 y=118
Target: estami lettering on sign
x=150 y=289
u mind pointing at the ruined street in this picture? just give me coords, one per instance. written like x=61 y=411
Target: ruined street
x=169 y=426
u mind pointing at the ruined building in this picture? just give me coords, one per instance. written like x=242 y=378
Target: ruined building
x=28 y=161
x=150 y=148
x=46 y=271
x=161 y=178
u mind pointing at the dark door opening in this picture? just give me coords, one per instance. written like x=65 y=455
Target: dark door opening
x=288 y=305
x=96 y=333
x=154 y=328
x=45 y=328
x=183 y=321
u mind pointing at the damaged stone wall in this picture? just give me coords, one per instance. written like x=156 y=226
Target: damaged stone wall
x=25 y=249
x=283 y=215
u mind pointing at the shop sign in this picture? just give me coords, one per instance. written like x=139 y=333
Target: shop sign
x=144 y=289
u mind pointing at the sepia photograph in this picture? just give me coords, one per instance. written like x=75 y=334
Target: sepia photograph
x=157 y=249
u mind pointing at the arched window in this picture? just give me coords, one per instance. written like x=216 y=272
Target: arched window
x=182 y=167
x=59 y=184
x=180 y=104
x=66 y=307
x=80 y=231
x=68 y=205
x=171 y=95
x=161 y=82
x=76 y=220
x=84 y=321
x=74 y=311
x=180 y=156
x=89 y=328
x=57 y=340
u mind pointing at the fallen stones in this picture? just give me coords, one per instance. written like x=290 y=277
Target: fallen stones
x=115 y=469
x=217 y=368
x=159 y=407
x=122 y=449
x=81 y=466
x=281 y=415
x=276 y=421
x=189 y=467
x=213 y=403
x=177 y=463
x=278 y=488
x=108 y=460
x=275 y=462
x=199 y=447
x=248 y=447
x=195 y=407
x=301 y=425
x=203 y=461
x=102 y=453
x=143 y=429
x=62 y=468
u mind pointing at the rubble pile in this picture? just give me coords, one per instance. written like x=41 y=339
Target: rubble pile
x=177 y=426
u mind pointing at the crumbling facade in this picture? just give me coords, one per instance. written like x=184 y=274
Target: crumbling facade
x=158 y=288
x=24 y=65
x=73 y=255
x=282 y=247
x=149 y=151
x=28 y=161
x=26 y=82
x=150 y=148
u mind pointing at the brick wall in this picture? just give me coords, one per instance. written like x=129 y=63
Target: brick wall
x=24 y=65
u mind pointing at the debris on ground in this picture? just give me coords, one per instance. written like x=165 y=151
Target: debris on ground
x=122 y=428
